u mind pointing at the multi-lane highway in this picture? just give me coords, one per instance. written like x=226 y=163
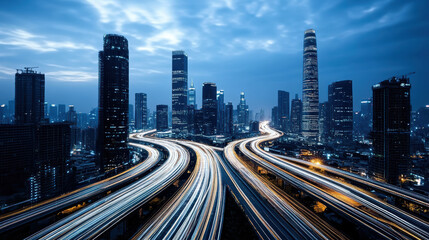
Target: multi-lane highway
x=196 y=211
x=96 y=218
x=17 y=218
x=382 y=218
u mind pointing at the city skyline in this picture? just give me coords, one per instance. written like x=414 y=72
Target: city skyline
x=366 y=48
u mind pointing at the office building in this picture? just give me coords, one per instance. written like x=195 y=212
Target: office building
x=229 y=119
x=112 y=148
x=310 y=88
x=62 y=116
x=161 y=118
x=209 y=108
x=275 y=116
x=242 y=113
x=29 y=96
x=325 y=121
x=296 y=115
x=391 y=130
x=283 y=109
x=340 y=98
x=220 y=111
x=179 y=92
x=141 y=110
x=192 y=95
x=53 y=113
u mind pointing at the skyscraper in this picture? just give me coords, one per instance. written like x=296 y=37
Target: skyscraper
x=61 y=112
x=340 y=97
x=310 y=87
x=242 y=113
x=179 y=92
x=283 y=109
x=29 y=96
x=325 y=122
x=130 y=114
x=192 y=95
x=161 y=117
x=275 y=116
x=220 y=111
x=141 y=110
x=296 y=115
x=229 y=119
x=113 y=102
x=53 y=113
x=209 y=108
x=391 y=129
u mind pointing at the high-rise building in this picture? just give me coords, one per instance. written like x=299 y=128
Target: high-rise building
x=275 y=116
x=340 y=98
x=325 y=121
x=296 y=115
x=310 y=88
x=209 y=108
x=141 y=110
x=29 y=96
x=242 y=113
x=192 y=100
x=391 y=129
x=62 y=113
x=220 y=111
x=363 y=119
x=113 y=102
x=11 y=111
x=3 y=114
x=53 y=113
x=191 y=119
x=161 y=117
x=45 y=109
x=179 y=92
x=71 y=115
x=229 y=119
x=283 y=110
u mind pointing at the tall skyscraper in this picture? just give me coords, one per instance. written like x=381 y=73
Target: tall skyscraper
x=179 y=92
x=72 y=115
x=310 y=88
x=192 y=95
x=283 y=109
x=229 y=119
x=391 y=129
x=325 y=122
x=220 y=111
x=275 y=116
x=209 y=108
x=243 y=113
x=141 y=110
x=161 y=117
x=113 y=102
x=53 y=113
x=61 y=113
x=29 y=96
x=296 y=115
x=340 y=97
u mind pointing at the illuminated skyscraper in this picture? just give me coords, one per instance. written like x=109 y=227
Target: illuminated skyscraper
x=141 y=110
x=220 y=111
x=310 y=87
x=161 y=118
x=179 y=92
x=283 y=110
x=242 y=113
x=113 y=102
x=340 y=97
x=296 y=115
x=192 y=95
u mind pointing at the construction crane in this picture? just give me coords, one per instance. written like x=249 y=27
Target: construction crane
x=26 y=70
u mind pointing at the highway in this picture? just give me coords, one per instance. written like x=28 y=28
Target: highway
x=95 y=219
x=196 y=211
x=17 y=218
x=297 y=221
x=384 y=219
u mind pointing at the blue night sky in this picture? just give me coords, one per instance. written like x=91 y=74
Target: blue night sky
x=251 y=46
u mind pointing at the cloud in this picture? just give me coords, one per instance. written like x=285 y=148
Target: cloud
x=71 y=76
x=22 y=39
x=7 y=71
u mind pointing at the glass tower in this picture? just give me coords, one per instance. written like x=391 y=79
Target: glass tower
x=310 y=88
x=209 y=108
x=113 y=102
x=141 y=110
x=179 y=92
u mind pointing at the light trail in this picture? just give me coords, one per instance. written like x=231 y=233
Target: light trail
x=196 y=211
x=17 y=218
x=98 y=217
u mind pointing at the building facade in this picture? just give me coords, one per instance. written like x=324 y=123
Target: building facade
x=340 y=98
x=296 y=115
x=141 y=110
x=209 y=108
x=391 y=130
x=113 y=103
x=161 y=118
x=29 y=96
x=179 y=92
x=310 y=88
x=283 y=109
